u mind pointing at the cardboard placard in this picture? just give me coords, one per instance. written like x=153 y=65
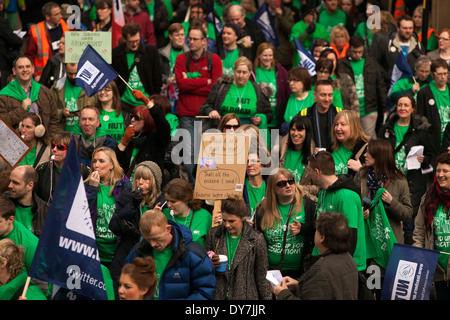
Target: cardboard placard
x=221 y=168
x=12 y=147
x=221 y=165
x=77 y=41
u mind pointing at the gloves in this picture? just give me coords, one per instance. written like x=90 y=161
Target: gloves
x=137 y=198
x=215 y=260
x=311 y=28
x=138 y=95
x=129 y=228
x=129 y=133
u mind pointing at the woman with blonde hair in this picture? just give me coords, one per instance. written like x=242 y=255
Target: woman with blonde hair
x=144 y=194
x=240 y=95
x=286 y=218
x=339 y=39
x=103 y=186
x=349 y=142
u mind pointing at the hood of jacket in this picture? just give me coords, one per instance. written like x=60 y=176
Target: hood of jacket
x=345 y=182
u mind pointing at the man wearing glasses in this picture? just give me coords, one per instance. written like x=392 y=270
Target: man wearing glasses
x=195 y=73
x=138 y=64
x=340 y=194
x=433 y=102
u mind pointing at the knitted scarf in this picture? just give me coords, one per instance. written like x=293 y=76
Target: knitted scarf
x=435 y=197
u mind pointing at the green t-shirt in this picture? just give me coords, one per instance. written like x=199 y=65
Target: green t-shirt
x=443 y=105
x=293 y=162
x=400 y=156
x=358 y=71
x=106 y=240
x=270 y=78
x=151 y=10
x=30 y=158
x=329 y=21
x=228 y=62
x=240 y=101
x=71 y=94
x=441 y=228
x=319 y=33
x=255 y=195
x=24 y=237
x=8 y=290
x=341 y=157
x=361 y=30
x=347 y=202
x=161 y=260
x=294 y=243
x=134 y=81
x=25 y=216
x=112 y=124
x=174 y=53
x=294 y=106
x=199 y=225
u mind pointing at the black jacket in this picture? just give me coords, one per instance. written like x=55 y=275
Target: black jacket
x=147 y=64
x=375 y=92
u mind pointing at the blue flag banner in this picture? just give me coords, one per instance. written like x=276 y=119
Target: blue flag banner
x=265 y=21
x=67 y=254
x=400 y=70
x=306 y=59
x=409 y=273
x=93 y=72
x=214 y=19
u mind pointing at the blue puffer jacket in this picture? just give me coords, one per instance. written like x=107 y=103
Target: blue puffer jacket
x=190 y=274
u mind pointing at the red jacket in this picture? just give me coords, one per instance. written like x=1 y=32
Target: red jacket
x=140 y=17
x=193 y=92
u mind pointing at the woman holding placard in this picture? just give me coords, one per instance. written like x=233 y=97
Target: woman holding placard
x=246 y=253
x=286 y=218
x=405 y=130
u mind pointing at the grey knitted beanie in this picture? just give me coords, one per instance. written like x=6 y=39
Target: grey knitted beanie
x=156 y=171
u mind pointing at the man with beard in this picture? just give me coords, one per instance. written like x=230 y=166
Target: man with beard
x=70 y=99
x=23 y=95
x=31 y=210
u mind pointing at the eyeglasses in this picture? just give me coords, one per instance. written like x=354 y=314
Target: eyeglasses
x=442 y=74
x=231 y=126
x=195 y=39
x=59 y=147
x=137 y=117
x=106 y=90
x=444 y=39
x=283 y=183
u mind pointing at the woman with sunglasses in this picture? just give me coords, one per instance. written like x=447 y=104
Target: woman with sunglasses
x=246 y=249
x=113 y=119
x=146 y=138
x=184 y=209
x=286 y=218
x=103 y=186
x=229 y=123
x=34 y=133
x=349 y=142
x=49 y=171
x=145 y=194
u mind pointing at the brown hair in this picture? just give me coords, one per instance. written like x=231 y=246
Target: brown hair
x=181 y=190
x=143 y=272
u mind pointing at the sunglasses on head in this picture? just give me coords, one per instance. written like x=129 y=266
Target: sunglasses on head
x=60 y=147
x=283 y=183
x=137 y=117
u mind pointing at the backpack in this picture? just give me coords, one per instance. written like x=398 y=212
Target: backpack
x=208 y=57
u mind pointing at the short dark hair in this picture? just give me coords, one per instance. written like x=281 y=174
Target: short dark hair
x=323 y=161
x=326 y=82
x=356 y=41
x=236 y=206
x=8 y=209
x=336 y=231
x=130 y=29
x=443 y=158
x=48 y=7
x=324 y=63
x=438 y=63
x=404 y=17
x=195 y=25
